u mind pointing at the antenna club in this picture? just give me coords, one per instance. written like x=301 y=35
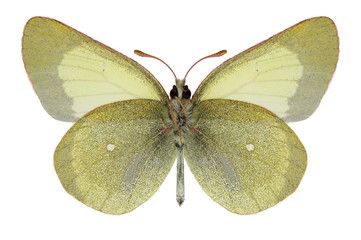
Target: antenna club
x=220 y=53
x=140 y=53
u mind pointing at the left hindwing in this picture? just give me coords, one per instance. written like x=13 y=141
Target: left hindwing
x=115 y=157
x=243 y=156
x=288 y=74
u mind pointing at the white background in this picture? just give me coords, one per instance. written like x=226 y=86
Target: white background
x=33 y=204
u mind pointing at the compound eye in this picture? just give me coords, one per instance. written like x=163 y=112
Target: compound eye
x=174 y=92
x=186 y=94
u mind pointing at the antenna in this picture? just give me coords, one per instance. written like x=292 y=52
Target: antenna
x=142 y=54
x=217 y=54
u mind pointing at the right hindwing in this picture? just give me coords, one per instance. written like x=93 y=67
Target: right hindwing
x=244 y=157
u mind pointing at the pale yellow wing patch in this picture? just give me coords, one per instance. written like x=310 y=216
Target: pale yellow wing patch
x=287 y=74
x=115 y=157
x=243 y=156
x=73 y=74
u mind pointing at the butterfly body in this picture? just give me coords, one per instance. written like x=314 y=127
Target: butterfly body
x=231 y=132
x=180 y=111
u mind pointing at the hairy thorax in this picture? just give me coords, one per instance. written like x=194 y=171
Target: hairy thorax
x=180 y=111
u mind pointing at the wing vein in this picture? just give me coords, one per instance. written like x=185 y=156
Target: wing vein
x=82 y=68
x=254 y=79
x=144 y=164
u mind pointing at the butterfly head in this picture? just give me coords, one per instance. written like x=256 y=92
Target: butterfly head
x=180 y=90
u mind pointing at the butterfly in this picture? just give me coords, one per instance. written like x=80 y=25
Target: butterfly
x=129 y=132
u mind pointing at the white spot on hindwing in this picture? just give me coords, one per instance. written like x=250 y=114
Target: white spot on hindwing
x=250 y=147
x=110 y=147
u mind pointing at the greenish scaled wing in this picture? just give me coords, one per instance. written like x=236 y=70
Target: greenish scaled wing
x=244 y=157
x=288 y=74
x=116 y=157
x=72 y=74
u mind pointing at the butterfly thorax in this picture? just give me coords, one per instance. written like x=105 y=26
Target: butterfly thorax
x=180 y=109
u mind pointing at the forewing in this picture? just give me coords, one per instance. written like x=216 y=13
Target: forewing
x=73 y=74
x=243 y=156
x=287 y=74
x=116 y=157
